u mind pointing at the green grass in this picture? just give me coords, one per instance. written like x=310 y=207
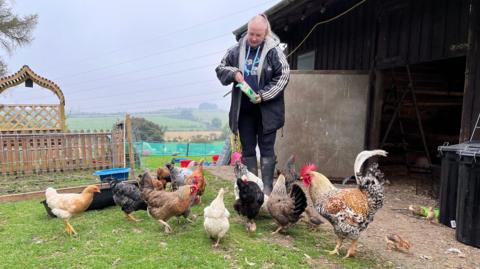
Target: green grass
x=92 y=123
x=31 y=239
x=19 y=184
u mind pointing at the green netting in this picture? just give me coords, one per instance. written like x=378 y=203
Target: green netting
x=179 y=149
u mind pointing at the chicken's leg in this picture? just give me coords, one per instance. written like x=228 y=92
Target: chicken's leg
x=216 y=244
x=168 y=229
x=189 y=220
x=277 y=230
x=129 y=216
x=69 y=228
x=352 y=250
x=337 y=247
x=253 y=226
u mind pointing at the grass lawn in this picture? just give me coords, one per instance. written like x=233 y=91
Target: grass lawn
x=20 y=184
x=31 y=239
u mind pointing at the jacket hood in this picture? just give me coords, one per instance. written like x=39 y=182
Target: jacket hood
x=271 y=41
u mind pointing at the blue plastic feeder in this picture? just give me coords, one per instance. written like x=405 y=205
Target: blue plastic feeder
x=119 y=174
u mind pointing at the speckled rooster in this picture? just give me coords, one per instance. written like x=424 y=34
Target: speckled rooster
x=349 y=210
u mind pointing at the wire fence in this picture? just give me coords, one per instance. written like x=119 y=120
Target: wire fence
x=178 y=149
x=26 y=154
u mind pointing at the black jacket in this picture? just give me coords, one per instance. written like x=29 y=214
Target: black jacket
x=272 y=80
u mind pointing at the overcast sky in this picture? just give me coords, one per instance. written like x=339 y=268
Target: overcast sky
x=129 y=56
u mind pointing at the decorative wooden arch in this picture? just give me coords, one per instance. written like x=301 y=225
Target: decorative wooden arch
x=31 y=117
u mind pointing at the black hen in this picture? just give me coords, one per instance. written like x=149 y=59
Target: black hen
x=249 y=202
x=128 y=197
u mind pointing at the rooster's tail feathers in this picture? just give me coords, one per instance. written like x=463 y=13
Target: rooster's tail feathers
x=300 y=200
x=363 y=156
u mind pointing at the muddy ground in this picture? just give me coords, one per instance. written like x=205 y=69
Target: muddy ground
x=433 y=245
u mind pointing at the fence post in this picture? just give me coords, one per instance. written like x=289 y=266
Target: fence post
x=128 y=126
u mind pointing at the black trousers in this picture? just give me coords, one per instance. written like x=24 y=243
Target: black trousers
x=251 y=131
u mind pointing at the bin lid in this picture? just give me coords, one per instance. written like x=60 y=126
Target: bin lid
x=472 y=149
x=454 y=148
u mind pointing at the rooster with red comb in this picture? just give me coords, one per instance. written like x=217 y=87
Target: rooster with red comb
x=348 y=210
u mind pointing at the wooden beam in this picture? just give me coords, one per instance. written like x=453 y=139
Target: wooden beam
x=128 y=126
x=471 y=99
x=41 y=194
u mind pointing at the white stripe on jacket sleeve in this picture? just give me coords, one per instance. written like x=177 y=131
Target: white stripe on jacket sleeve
x=282 y=81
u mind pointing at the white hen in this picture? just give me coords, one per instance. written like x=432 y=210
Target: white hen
x=216 y=218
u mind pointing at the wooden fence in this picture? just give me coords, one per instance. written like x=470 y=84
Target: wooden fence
x=52 y=152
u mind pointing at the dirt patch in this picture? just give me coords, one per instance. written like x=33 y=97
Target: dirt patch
x=430 y=242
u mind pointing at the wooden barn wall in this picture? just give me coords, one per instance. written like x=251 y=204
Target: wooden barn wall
x=395 y=31
x=471 y=99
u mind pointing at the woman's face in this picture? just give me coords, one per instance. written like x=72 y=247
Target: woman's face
x=256 y=33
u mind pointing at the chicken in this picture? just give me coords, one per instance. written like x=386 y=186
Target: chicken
x=67 y=205
x=310 y=215
x=163 y=177
x=249 y=202
x=163 y=173
x=158 y=184
x=394 y=241
x=178 y=175
x=290 y=172
x=348 y=210
x=198 y=178
x=241 y=170
x=216 y=218
x=163 y=205
x=286 y=208
x=128 y=197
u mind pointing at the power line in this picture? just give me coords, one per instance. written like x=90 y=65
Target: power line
x=179 y=30
x=166 y=101
x=143 y=57
x=149 y=68
x=136 y=80
x=129 y=93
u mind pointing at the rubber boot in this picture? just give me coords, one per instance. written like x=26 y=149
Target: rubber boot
x=251 y=163
x=268 y=168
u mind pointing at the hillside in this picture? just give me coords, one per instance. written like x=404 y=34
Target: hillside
x=175 y=119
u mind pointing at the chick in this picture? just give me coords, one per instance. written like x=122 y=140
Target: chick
x=395 y=242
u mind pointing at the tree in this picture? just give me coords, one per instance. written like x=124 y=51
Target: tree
x=15 y=31
x=207 y=106
x=216 y=124
x=146 y=130
x=185 y=114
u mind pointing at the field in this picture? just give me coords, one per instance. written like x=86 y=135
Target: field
x=105 y=121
